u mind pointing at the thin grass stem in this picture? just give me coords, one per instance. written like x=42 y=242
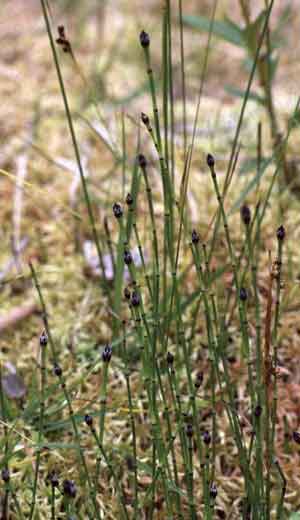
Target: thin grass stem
x=75 y=146
x=62 y=382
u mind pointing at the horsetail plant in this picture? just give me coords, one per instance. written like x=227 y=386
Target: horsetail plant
x=186 y=321
x=59 y=374
x=43 y=344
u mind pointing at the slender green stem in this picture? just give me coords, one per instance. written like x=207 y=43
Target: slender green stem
x=16 y=501
x=132 y=423
x=166 y=78
x=175 y=392
x=203 y=74
x=191 y=480
x=168 y=189
x=62 y=382
x=182 y=70
x=259 y=477
x=142 y=258
x=240 y=122
x=171 y=88
x=41 y=426
x=277 y=274
x=214 y=354
x=124 y=158
x=75 y=145
x=144 y=337
x=103 y=400
x=112 y=472
x=279 y=512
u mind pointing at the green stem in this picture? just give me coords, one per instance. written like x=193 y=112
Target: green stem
x=239 y=124
x=132 y=423
x=41 y=426
x=112 y=472
x=75 y=146
x=83 y=465
x=182 y=70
